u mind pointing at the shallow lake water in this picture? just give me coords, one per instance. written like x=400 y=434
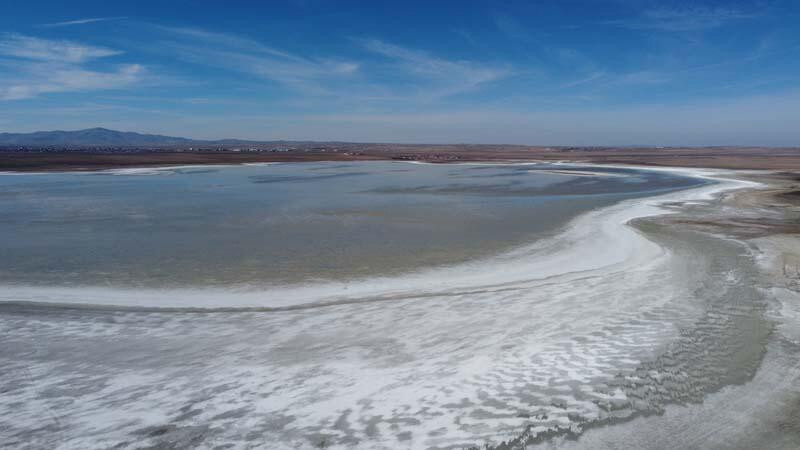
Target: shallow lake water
x=506 y=305
x=285 y=223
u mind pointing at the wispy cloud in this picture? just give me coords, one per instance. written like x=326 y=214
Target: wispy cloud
x=231 y=52
x=34 y=66
x=642 y=77
x=602 y=80
x=590 y=78
x=81 y=21
x=415 y=75
x=447 y=77
x=43 y=79
x=697 y=18
x=26 y=47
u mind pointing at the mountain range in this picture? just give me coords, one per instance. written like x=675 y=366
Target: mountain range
x=102 y=137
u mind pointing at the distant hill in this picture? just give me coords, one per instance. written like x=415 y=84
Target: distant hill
x=92 y=137
x=105 y=138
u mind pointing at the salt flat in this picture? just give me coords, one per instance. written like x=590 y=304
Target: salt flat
x=614 y=316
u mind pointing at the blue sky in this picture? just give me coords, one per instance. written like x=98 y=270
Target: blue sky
x=593 y=72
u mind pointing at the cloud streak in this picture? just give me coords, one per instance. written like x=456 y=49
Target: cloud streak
x=81 y=21
x=26 y=47
x=398 y=74
x=44 y=79
x=697 y=18
x=231 y=52
x=33 y=66
x=448 y=77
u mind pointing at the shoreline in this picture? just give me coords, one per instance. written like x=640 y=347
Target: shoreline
x=619 y=244
x=639 y=330
x=760 y=410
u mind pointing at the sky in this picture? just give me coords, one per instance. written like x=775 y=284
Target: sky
x=592 y=72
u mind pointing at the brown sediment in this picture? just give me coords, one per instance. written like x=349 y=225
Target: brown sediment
x=78 y=161
x=778 y=159
x=753 y=213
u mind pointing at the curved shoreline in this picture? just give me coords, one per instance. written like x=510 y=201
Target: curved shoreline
x=637 y=330
x=576 y=250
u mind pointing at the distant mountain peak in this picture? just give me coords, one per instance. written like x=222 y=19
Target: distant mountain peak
x=89 y=138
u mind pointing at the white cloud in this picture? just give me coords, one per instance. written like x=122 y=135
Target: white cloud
x=695 y=18
x=588 y=79
x=47 y=79
x=26 y=47
x=33 y=66
x=448 y=77
x=231 y=52
x=416 y=75
x=81 y=21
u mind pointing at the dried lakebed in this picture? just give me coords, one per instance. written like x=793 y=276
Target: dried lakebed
x=624 y=322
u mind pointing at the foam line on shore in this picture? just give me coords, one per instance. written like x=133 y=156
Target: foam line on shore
x=594 y=243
